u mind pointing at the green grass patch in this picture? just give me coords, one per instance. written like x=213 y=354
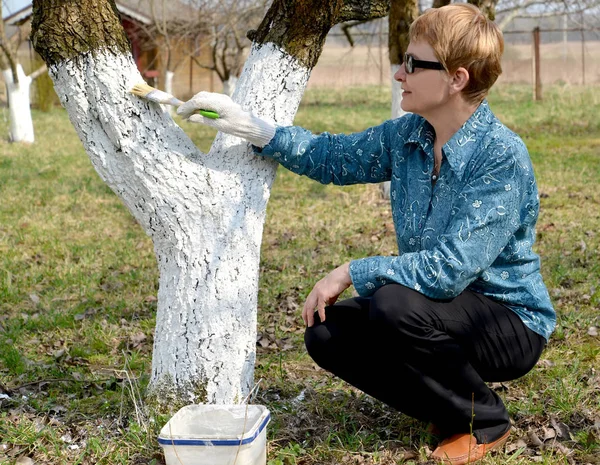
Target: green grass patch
x=78 y=281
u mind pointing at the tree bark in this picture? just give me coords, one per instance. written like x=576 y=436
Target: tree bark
x=440 y=3
x=300 y=26
x=204 y=212
x=402 y=14
x=487 y=7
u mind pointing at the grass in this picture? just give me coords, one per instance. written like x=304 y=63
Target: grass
x=78 y=284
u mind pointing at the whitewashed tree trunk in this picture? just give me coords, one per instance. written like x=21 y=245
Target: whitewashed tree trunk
x=229 y=85
x=397 y=110
x=169 y=77
x=21 y=123
x=204 y=212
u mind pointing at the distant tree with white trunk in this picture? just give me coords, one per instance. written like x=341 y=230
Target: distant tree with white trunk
x=18 y=84
x=204 y=212
x=175 y=30
x=228 y=22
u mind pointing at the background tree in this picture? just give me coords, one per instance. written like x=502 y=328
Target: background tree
x=18 y=84
x=402 y=14
x=175 y=30
x=509 y=10
x=204 y=212
x=228 y=22
x=487 y=7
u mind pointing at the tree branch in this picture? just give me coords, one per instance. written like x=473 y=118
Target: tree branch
x=8 y=58
x=38 y=72
x=361 y=10
x=346 y=29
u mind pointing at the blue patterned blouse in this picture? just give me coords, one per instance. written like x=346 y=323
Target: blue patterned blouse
x=473 y=229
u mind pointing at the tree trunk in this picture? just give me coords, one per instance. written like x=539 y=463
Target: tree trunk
x=487 y=7
x=169 y=77
x=402 y=14
x=204 y=212
x=440 y=3
x=230 y=84
x=17 y=86
x=21 y=124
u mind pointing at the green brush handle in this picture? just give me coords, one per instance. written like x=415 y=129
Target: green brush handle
x=209 y=114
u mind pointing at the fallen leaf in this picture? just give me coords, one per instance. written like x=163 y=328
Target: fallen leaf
x=562 y=430
x=137 y=339
x=545 y=363
x=518 y=444
x=534 y=439
x=24 y=461
x=549 y=433
x=557 y=446
x=409 y=455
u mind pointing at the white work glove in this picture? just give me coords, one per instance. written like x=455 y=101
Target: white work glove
x=232 y=118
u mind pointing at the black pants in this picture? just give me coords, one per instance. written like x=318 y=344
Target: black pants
x=429 y=359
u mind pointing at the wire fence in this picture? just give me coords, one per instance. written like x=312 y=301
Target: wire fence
x=569 y=56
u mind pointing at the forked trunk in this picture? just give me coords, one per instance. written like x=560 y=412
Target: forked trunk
x=204 y=212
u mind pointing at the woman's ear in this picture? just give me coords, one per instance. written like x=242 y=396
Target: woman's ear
x=459 y=80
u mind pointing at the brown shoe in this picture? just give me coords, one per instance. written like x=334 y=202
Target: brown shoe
x=461 y=449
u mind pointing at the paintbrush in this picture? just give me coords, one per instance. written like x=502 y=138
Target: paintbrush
x=154 y=95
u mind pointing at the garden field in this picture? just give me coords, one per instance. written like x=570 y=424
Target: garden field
x=78 y=284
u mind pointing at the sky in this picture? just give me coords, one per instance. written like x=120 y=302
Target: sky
x=11 y=6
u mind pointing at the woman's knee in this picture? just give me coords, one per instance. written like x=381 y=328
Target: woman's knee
x=316 y=339
x=398 y=306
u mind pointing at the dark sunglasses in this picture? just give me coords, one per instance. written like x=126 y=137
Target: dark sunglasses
x=410 y=63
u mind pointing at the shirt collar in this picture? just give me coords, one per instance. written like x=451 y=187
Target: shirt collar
x=463 y=144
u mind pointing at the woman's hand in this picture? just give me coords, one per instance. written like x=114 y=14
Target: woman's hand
x=232 y=118
x=326 y=292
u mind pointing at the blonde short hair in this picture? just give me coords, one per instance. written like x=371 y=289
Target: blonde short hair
x=461 y=36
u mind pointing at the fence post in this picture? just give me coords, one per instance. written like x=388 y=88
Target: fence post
x=582 y=49
x=536 y=58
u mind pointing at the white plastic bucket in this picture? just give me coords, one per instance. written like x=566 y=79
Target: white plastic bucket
x=216 y=435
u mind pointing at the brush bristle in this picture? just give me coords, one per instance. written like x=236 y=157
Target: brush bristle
x=141 y=89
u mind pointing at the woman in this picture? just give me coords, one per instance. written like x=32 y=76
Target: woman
x=463 y=302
